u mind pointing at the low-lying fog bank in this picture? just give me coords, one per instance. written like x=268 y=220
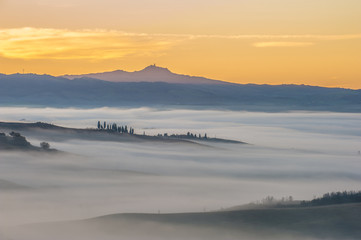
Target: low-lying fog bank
x=297 y=154
x=248 y=224
x=302 y=130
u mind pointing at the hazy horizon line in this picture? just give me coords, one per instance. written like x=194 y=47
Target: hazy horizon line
x=127 y=71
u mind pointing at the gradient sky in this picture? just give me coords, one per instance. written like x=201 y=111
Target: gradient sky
x=314 y=42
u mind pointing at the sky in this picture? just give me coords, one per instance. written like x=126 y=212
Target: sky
x=259 y=41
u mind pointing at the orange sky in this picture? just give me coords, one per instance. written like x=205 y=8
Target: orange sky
x=314 y=42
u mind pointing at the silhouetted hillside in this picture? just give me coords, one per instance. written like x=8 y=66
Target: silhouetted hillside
x=45 y=90
x=331 y=222
x=15 y=141
x=335 y=198
x=109 y=132
x=151 y=73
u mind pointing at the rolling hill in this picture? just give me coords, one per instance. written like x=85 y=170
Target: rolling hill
x=151 y=73
x=270 y=223
x=54 y=132
x=85 y=92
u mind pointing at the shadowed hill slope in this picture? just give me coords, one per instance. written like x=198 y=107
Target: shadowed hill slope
x=328 y=222
x=49 y=91
x=151 y=73
x=51 y=132
x=15 y=141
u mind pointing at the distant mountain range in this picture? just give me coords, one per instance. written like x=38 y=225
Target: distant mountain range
x=158 y=87
x=151 y=73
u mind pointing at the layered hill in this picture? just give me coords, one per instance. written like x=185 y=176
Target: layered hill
x=15 y=141
x=151 y=73
x=54 y=132
x=327 y=222
x=158 y=87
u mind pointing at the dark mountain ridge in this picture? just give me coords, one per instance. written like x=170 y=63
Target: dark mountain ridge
x=151 y=73
x=50 y=91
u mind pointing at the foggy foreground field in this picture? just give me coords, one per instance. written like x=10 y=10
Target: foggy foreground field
x=327 y=222
x=290 y=154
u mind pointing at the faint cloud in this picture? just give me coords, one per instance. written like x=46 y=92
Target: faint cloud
x=282 y=44
x=99 y=44
x=264 y=36
x=47 y=43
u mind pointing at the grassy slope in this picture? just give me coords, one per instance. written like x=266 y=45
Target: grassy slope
x=333 y=221
x=327 y=222
x=53 y=132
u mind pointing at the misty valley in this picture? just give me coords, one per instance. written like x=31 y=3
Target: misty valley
x=180 y=120
x=157 y=181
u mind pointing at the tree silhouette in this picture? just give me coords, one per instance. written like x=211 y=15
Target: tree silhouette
x=335 y=198
x=45 y=145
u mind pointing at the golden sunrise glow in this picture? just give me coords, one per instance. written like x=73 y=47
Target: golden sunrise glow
x=282 y=44
x=38 y=43
x=263 y=42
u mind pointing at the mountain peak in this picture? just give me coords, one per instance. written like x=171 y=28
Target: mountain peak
x=154 y=68
x=151 y=73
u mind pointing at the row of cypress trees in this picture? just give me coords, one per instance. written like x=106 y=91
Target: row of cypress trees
x=115 y=128
x=125 y=129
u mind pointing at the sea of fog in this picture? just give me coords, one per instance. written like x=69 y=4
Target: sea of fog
x=299 y=154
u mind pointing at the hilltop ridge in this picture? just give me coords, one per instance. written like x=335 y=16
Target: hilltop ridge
x=160 y=88
x=269 y=223
x=15 y=141
x=151 y=73
x=111 y=132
